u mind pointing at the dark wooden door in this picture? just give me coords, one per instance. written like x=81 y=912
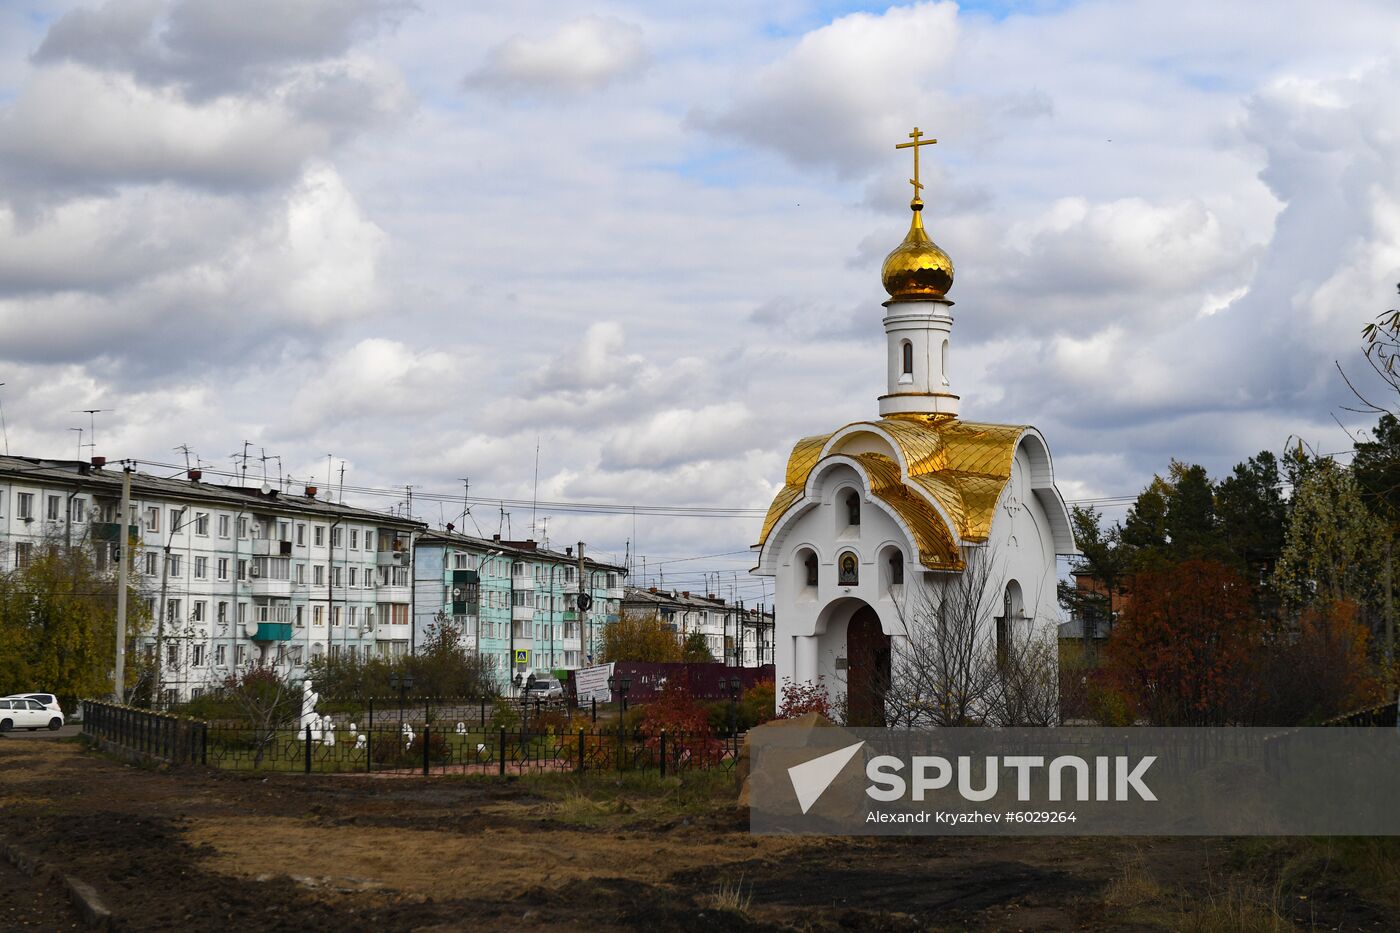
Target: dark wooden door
x=867 y=668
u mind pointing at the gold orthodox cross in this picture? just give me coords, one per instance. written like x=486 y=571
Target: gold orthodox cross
x=917 y=142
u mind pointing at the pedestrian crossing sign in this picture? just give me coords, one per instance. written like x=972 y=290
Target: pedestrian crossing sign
x=522 y=655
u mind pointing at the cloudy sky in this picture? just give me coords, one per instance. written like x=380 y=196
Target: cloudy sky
x=423 y=237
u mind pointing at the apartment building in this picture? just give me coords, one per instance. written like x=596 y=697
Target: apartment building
x=516 y=602
x=734 y=634
x=240 y=575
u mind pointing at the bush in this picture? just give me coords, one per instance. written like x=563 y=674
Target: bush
x=806 y=697
x=387 y=749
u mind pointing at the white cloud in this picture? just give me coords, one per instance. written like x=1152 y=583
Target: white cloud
x=582 y=55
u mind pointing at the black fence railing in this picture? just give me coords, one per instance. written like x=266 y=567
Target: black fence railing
x=407 y=750
x=158 y=736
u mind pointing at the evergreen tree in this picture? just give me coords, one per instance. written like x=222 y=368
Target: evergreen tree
x=1252 y=514
x=1145 y=528
x=1190 y=517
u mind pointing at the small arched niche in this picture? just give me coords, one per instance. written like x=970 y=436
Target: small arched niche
x=906 y=362
x=806 y=571
x=891 y=566
x=943 y=362
x=848 y=569
x=847 y=512
x=1013 y=609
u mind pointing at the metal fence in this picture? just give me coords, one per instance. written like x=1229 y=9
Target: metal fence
x=157 y=736
x=540 y=738
x=464 y=749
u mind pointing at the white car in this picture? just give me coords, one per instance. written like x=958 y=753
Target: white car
x=24 y=713
x=47 y=699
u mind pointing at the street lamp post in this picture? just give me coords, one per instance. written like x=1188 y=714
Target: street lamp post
x=733 y=701
x=621 y=686
x=175 y=525
x=401 y=683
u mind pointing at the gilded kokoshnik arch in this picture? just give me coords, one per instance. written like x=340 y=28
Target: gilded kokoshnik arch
x=883 y=513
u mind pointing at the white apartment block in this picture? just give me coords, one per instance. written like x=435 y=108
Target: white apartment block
x=250 y=575
x=734 y=634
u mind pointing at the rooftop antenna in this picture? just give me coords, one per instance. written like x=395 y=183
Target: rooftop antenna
x=501 y=528
x=278 y=458
x=242 y=461
x=535 y=496
x=92 y=414
x=328 y=474
x=341 y=494
x=544 y=532
x=185 y=448
x=80 y=441
x=4 y=430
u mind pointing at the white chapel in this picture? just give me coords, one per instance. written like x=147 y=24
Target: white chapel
x=875 y=517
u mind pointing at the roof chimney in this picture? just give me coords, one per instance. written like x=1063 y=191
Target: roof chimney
x=196 y=475
x=99 y=462
x=685 y=593
x=310 y=492
x=652 y=591
x=569 y=550
x=450 y=526
x=496 y=537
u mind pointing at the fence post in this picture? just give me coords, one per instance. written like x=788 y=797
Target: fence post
x=483 y=713
x=503 y=751
x=425 y=749
x=595 y=710
x=620 y=738
x=663 y=753
x=204 y=743
x=582 y=745
x=308 y=749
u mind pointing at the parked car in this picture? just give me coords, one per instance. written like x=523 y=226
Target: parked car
x=24 y=713
x=544 y=688
x=48 y=699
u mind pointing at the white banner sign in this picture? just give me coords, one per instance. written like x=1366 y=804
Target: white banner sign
x=592 y=683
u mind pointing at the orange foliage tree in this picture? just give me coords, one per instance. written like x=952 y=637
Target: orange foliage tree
x=1320 y=671
x=1181 y=655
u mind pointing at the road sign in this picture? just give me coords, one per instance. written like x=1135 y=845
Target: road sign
x=585 y=602
x=522 y=655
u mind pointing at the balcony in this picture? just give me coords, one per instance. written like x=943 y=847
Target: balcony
x=275 y=589
x=273 y=631
x=391 y=558
x=271 y=547
x=389 y=593
x=110 y=531
x=569 y=615
x=523 y=581
x=522 y=613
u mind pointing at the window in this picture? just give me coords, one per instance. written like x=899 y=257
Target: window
x=175 y=519
x=337 y=536
x=238 y=654
x=243 y=528
x=197 y=656
x=201 y=568
x=317 y=616
x=172 y=654
x=353 y=571
x=335 y=617
x=24 y=552
x=152 y=521
x=201 y=524
x=222 y=616
x=301 y=573
x=26 y=506
x=172 y=610
x=369 y=540
x=222 y=568
x=242 y=613
x=318 y=574
x=335 y=652
x=152 y=563
x=352 y=616
x=220 y=655
x=223 y=526
x=52 y=509
x=335 y=576
x=907 y=355
x=319 y=535
x=896 y=568
x=242 y=569
x=284 y=531
x=355 y=539
x=174 y=565
x=197 y=615
x=77 y=509
x=301 y=534
x=853 y=508
x=301 y=617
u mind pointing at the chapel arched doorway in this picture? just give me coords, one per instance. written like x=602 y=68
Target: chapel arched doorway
x=867 y=668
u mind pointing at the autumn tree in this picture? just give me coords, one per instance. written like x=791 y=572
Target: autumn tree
x=1333 y=547
x=639 y=637
x=1317 y=669
x=1106 y=560
x=1181 y=651
x=58 y=624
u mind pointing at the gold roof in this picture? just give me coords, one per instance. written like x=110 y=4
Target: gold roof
x=917 y=268
x=961 y=465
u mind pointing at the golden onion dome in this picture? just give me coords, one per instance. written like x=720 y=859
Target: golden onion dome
x=917 y=268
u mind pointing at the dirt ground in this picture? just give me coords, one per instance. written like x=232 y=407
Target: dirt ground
x=173 y=850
